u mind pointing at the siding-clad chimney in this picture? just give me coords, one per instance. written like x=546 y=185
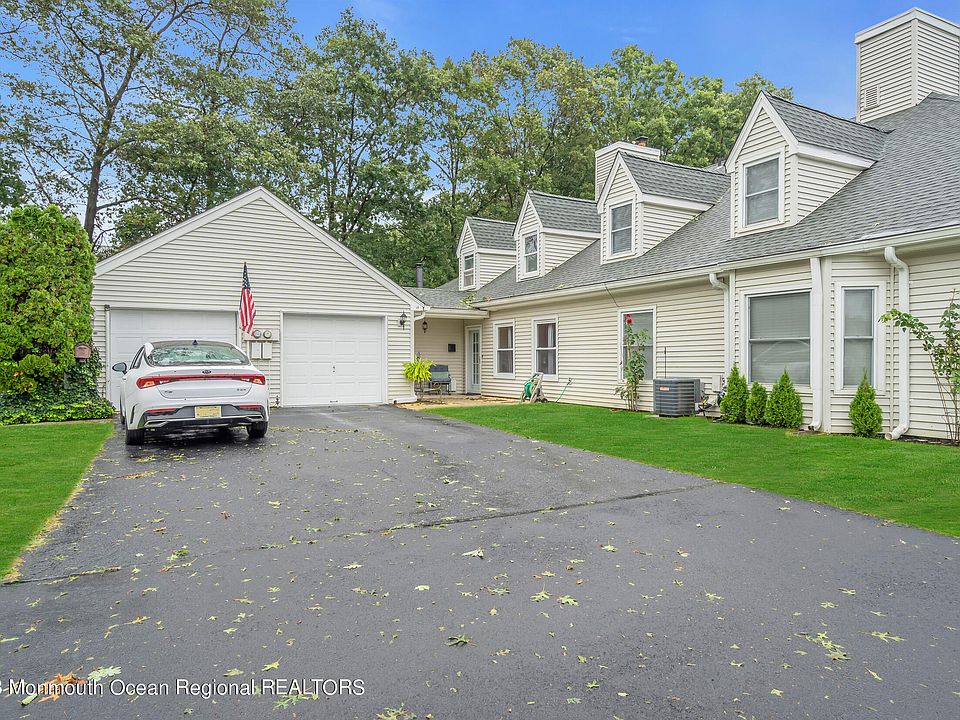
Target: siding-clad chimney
x=902 y=60
x=605 y=156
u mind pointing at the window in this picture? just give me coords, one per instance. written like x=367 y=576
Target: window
x=621 y=229
x=505 y=349
x=638 y=320
x=761 y=195
x=531 y=253
x=137 y=358
x=172 y=353
x=780 y=337
x=468 y=265
x=545 y=347
x=858 y=336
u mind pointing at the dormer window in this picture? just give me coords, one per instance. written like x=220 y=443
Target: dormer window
x=531 y=254
x=621 y=229
x=469 y=261
x=761 y=193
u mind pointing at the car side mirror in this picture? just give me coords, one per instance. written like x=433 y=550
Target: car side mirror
x=120 y=367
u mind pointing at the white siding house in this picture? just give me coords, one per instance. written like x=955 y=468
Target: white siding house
x=327 y=322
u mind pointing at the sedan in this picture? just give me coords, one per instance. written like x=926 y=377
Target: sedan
x=175 y=384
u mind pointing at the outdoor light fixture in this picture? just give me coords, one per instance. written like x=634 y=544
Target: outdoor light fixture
x=403 y=319
x=424 y=326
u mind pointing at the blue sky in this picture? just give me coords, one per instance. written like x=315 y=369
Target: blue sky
x=807 y=45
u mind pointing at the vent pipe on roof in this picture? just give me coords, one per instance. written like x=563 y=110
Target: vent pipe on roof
x=640 y=141
x=419 y=269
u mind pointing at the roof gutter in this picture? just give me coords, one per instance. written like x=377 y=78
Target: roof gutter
x=867 y=243
x=903 y=286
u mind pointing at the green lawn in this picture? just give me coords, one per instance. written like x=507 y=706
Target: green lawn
x=40 y=466
x=905 y=482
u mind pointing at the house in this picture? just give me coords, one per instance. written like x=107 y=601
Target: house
x=330 y=329
x=782 y=258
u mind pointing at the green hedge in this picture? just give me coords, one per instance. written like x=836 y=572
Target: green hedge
x=71 y=397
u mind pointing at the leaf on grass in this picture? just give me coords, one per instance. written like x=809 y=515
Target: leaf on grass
x=478 y=553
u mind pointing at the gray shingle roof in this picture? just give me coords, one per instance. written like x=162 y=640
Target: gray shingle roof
x=443 y=296
x=566 y=213
x=914 y=185
x=656 y=177
x=829 y=131
x=491 y=234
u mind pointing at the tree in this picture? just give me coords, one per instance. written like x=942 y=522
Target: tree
x=943 y=353
x=634 y=366
x=756 y=404
x=784 y=407
x=357 y=145
x=91 y=64
x=865 y=415
x=201 y=139
x=46 y=280
x=733 y=407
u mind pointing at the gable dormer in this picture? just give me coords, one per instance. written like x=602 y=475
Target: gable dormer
x=789 y=159
x=644 y=200
x=485 y=251
x=550 y=230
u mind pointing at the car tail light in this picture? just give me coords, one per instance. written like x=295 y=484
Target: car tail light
x=160 y=411
x=148 y=381
x=250 y=407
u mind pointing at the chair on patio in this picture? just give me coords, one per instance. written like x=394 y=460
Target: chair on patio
x=440 y=378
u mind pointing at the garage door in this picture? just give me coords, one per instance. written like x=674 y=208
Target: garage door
x=129 y=329
x=329 y=360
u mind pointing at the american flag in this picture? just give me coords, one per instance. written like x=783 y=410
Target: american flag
x=248 y=311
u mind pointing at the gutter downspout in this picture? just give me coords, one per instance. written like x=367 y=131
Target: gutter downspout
x=903 y=283
x=718 y=284
x=816 y=342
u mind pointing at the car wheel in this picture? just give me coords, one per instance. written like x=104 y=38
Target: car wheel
x=256 y=430
x=135 y=437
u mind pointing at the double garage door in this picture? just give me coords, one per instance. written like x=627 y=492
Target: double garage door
x=332 y=360
x=325 y=359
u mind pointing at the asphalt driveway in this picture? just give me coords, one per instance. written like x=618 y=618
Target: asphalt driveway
x=463 y=573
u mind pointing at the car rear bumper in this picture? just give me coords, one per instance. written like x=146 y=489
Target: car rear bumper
x=230 y=416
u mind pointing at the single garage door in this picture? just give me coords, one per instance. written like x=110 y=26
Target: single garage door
x=332 y=359
x=129 y=329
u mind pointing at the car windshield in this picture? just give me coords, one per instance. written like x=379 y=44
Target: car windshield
x=195 y=354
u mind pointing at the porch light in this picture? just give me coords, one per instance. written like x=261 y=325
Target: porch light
x=424 y=325
x=403 y=319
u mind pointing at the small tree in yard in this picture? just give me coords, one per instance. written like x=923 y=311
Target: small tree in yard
x=865 y=415
x=733 y=407
x=46 y=280
x=756 y=404
x=634 y=366
x=784 y=407
x=944 y=354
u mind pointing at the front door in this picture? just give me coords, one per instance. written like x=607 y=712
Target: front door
x=473 y=360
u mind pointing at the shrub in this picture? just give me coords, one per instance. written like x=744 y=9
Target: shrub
x=733 y=407
x=865 y=415
x=46 y=280
x=756 y=404
x=784 y=408
x=71 y=396
x=635 y=365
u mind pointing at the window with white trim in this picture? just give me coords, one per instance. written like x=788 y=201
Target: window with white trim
x=621 y=229
x=779 y=337
x=859 y=339
x=545 y=347
x=505 y=350
x=638 y=320
x=469 y=263
x=761 y=191
x=531 y=253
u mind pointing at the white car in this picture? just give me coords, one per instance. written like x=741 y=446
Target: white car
x=191 y=383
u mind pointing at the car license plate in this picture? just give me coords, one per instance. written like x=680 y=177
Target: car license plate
x=206 y=411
